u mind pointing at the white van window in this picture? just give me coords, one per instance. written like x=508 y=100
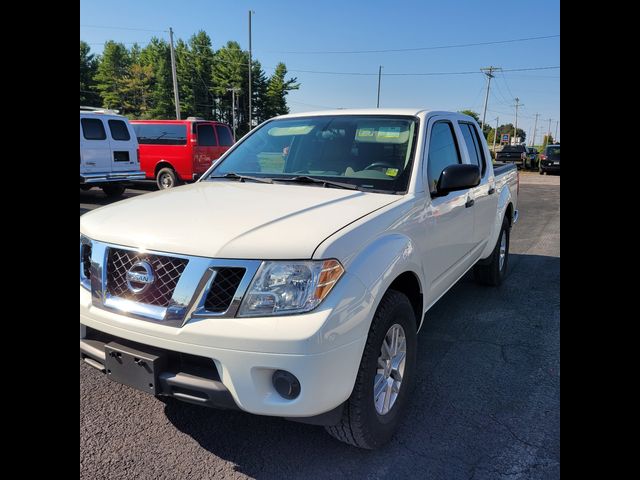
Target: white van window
x=93 y=129
x=119 y=130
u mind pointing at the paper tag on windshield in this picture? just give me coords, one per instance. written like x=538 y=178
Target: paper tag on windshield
x=389 y=132
x=392 y=172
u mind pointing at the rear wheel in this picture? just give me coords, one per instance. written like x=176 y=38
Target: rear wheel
x=382 y=388
x=113 y=190
x=493 y=270
x=167 y=178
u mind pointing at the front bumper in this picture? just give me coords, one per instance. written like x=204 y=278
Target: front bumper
x=106 y=177
x=323 y=349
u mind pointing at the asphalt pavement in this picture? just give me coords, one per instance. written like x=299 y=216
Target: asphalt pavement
x=486 y=403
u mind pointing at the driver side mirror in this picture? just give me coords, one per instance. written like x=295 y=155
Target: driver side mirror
x=458 y=176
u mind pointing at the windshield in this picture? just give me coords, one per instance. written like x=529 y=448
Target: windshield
x=372 y=152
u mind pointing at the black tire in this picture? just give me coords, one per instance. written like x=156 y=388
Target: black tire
x=361 y=425
x=167 y=178
x=114 y=190
x=541 y=172
x=488 y=271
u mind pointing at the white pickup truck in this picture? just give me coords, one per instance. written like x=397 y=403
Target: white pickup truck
x=291 y=280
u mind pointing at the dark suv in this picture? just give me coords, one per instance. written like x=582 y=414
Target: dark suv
x=550 y=159
x=513 y=154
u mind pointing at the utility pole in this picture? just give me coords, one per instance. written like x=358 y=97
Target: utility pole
x=549 y=134
x=250 y=65
x=379 y=79
x=488 y=71
x=233 y=91
x=535 y=126
x=515 y=128
x=555 y=139
x=176 y=96
x=495 y=135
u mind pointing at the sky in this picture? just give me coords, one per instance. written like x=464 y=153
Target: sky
x=294 y=32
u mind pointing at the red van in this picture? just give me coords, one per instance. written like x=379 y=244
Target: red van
x=176 y=151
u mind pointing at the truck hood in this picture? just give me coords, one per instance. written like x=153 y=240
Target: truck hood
x=229 y=219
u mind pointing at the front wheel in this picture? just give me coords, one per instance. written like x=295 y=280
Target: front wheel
x=384 y=381
x=493 y=270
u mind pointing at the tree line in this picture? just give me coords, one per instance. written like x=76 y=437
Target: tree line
x=138 y=81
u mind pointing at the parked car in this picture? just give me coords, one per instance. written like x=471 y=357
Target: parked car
x=292 y=278
x=516 y=154
x=550 y=159
x=176 y=151
x=532 y=158
x=108 y=151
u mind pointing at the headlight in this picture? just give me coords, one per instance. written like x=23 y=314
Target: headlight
x=281 y=288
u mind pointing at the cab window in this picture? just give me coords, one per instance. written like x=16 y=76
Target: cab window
x=443 y=151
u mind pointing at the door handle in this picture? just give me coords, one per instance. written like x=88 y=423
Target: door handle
x=470 y=202
x=491 y=191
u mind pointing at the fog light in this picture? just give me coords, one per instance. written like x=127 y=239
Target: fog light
x=286 y=384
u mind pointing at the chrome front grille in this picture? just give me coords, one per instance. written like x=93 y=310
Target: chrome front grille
x=183 y=287
x=223 y=289
x=167 y=274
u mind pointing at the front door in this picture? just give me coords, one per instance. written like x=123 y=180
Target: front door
x=449 y=235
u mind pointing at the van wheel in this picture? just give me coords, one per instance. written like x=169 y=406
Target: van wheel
x=493 y=270
x=167 y=178
x=373 y=412
x=113 y=191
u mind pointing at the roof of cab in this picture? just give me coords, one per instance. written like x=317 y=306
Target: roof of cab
x=413 y=112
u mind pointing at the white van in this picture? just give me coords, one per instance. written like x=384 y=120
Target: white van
x=109 y=155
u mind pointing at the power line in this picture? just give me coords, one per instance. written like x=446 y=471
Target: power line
x=439 y=47
x=124 y=28
x=471 y=72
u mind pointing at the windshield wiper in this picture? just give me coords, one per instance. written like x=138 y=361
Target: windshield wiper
x=242 y=178
x=325 y=183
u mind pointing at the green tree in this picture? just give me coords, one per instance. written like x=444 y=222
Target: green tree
x=136 y=89
x=547 y=140
x=471 y=113
x=259 y=93
x=230 y=65
x=277 y=90
x=186 y=79
x=88 y=64
x=201 y=62
x=113 y=68
x=157 y=54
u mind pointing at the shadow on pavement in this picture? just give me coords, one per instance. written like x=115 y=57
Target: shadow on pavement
x=485 y=405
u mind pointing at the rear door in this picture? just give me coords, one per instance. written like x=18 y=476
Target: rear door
x=484 y=195
x=94 y=145
x=124 y=145
x=206 y=149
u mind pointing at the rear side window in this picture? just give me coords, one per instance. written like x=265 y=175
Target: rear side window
x=224 y=136
x=206 y=137
x=119 y=130
x=474 y=147
x=160 y=134
x=443 y=151
x=93 y=129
